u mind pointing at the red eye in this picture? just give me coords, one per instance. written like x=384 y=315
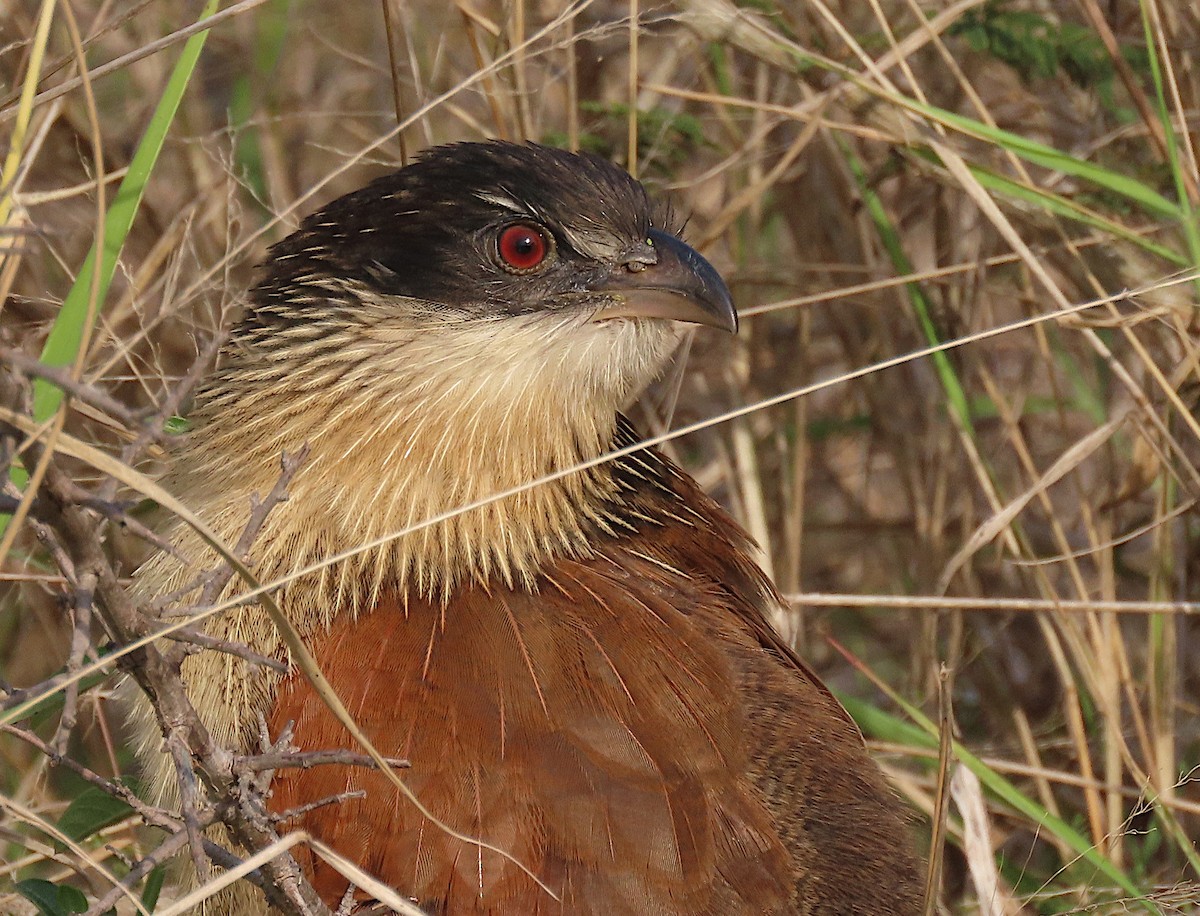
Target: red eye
x=522 y=247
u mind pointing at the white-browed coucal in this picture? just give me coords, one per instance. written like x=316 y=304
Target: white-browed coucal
x=582 y=674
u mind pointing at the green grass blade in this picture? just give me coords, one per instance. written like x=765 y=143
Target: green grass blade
x=1191 y=226
x=1069 y=209
x=62 y=345
x=955 y=394
x=1048 y=157
x=271 y=25
x=879 y=724
x=67 y=334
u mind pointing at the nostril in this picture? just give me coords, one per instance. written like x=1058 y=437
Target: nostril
x=638 y=257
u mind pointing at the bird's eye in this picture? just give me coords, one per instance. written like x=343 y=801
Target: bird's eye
x=522 y=247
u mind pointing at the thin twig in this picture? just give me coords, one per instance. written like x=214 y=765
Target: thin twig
x=165 y=850
x=203 y=640
x=187 y=738
x=284 y=816
x=292 y=759
x=259 y=510
x=81 y=641
x=146 y=50
x=190 y=803
x=60 y=377
x=154 y=816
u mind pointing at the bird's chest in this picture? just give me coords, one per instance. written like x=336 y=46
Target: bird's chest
x=592 y=731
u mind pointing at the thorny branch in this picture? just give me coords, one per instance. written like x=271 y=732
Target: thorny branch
x=216 y=786
x=281 y=755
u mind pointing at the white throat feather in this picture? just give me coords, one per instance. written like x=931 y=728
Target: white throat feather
x=405 y=421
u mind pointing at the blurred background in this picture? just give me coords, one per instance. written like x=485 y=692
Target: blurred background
x=995 y=539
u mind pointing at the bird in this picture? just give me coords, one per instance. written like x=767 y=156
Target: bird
x=575 y=656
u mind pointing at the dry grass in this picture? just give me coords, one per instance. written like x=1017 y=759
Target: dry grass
x=1026 y=498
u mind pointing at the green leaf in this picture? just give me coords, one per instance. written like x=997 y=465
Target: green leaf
x=154 y=885
x=91 y=811
x=177 y=426
x=52 y=899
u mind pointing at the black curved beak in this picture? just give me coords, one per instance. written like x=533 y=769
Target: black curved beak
x=668 y=280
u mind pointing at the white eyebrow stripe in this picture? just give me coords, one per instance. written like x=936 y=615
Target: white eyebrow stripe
x=505 y=203
x=587 y=235
x=594 y=240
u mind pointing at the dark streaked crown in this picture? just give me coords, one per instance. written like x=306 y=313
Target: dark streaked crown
x=428 y=232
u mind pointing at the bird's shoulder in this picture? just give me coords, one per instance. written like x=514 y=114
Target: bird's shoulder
x=707 y=555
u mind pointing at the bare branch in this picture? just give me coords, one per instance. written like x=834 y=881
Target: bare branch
x=26 y=365
x=200 y=639
x=209 y=787
x=304 y=760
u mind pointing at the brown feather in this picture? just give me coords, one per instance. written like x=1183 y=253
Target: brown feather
x=631 y=730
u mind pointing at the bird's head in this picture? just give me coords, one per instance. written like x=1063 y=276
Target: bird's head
x=462 y=326
x=503 y=254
